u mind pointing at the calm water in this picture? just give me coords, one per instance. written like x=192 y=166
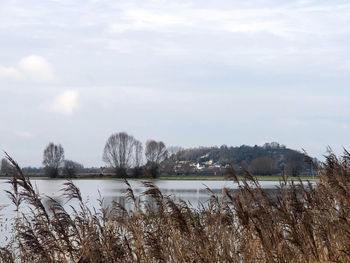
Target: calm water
x=114 y=190
x=193 y=191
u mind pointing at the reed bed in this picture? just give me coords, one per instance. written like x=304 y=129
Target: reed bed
x=303 y=223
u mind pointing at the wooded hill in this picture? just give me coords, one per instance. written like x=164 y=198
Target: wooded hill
x=269 y=159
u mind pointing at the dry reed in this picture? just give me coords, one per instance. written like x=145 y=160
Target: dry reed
x=303 y=223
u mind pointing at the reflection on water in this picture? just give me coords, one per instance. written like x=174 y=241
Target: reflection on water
x=114 y=190
x=192 y=192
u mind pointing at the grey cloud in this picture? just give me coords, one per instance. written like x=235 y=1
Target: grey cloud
x=187 y=72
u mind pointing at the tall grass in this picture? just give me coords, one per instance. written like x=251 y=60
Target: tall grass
x=304 y=223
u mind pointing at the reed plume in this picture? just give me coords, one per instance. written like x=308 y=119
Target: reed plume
x=299 y=223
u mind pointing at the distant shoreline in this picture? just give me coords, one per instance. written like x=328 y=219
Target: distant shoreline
x=175 y=178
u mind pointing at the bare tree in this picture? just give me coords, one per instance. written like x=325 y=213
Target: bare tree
x=71 y=169
x=173 y=150
x=52 y=159
x=5 y=166
x=263 y=166
x=156 y=153
x=118 y=152
x=294 y=163
x=168 y=166
x=138 y=148
x=138 y=170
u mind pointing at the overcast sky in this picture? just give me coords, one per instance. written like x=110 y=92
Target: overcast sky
x=190 y=73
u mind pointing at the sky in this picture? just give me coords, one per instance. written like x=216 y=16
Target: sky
x=189 y=73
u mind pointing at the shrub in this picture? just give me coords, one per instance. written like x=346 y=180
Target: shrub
x=71 y=169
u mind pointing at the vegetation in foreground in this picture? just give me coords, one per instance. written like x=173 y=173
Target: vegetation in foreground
x=302 y=224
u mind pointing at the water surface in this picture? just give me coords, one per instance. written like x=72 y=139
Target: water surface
x=194 y=192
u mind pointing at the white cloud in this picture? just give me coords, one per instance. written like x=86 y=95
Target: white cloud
x=37 y=68
x=194 y=64
x=66 y=103
x=24 y=134
x=10 y=72
x=142 y=19
x=33 y=68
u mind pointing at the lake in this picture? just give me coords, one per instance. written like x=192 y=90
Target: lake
x=194 y=192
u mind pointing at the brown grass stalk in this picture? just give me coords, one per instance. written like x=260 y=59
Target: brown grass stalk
x=301 y=223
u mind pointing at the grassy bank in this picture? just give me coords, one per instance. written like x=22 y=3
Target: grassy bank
x=175 y=177
x=241 y=178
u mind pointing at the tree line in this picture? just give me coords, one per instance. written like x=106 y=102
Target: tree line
x=123 y=154
x=126 y=157
x=269 y=159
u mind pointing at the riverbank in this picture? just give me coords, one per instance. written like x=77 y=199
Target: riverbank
x=175 y=177
x=241 y=178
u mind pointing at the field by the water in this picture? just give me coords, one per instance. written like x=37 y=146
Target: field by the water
x=222 y=177
x=179 y=177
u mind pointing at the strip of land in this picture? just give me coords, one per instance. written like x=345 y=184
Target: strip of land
x=171 y=177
